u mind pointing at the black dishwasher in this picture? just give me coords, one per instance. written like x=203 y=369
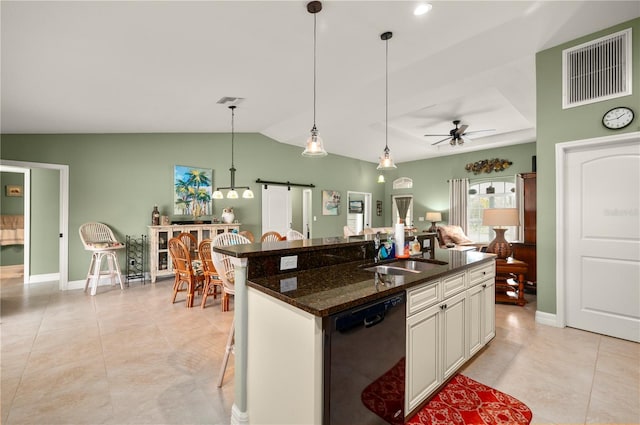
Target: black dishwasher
x=364 y=351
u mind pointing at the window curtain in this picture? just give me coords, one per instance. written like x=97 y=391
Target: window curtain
x=402 y=203
x=458 y=193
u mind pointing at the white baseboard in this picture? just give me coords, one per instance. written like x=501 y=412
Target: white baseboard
x=238 y=417
x=548 y=319
x=40 y=278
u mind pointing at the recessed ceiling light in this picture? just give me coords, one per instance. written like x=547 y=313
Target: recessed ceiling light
x=422 y=8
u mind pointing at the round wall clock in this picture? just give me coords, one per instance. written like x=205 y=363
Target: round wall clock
x=617 y=118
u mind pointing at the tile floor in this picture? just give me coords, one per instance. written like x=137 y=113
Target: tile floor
x=130 y=357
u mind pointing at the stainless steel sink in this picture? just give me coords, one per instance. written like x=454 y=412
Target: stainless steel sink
x=389 y=269
x=400 y=267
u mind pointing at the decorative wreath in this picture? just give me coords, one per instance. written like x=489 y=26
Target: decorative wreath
x=488 y=165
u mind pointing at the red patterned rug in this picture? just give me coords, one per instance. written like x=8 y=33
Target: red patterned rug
x=462 y=401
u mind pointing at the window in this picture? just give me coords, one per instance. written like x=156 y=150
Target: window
x=501 y=194
x=408 y=219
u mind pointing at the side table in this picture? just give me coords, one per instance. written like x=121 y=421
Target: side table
x=510 y=281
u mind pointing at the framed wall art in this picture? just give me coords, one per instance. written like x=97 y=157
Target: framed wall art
x=192 y=189
x=330 y=202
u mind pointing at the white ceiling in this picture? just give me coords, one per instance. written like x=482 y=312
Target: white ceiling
x=157 y=67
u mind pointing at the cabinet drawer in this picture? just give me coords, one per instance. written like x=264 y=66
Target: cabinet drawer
x=422 y=297
x=480 y=273
x=452 y=285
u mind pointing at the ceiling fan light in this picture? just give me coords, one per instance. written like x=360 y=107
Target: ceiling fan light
x=247 y=194
x=381 y=178
x=232 y=194
x=217 y=195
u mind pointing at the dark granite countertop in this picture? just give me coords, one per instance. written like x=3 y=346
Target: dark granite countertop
x=327 y=290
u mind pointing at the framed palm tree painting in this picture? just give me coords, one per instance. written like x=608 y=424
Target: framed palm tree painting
x=192 y=189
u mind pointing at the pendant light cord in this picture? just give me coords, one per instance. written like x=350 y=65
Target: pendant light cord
x=314 y=70
x=386 y=96
x=232 y=132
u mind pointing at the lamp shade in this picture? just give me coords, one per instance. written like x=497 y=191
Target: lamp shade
x=434 y=216
x=500 y=217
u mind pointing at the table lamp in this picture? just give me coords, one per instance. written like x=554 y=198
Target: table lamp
x=499 y=218
x=433 y=217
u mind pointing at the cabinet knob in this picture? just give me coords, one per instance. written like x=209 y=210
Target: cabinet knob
x=484 y=272
x=484 y=285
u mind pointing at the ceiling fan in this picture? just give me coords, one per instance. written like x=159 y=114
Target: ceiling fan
x=458 y=135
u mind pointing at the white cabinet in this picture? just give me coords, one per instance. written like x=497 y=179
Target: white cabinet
x=423 y=356
x=448 y=320
x=481 y=307
x=436 y=339
x=454 y=334
x=159 y=259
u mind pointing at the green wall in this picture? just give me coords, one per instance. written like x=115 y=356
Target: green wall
x=555 y=125
x=117 y=178
x=11 y=255
x=430 y=187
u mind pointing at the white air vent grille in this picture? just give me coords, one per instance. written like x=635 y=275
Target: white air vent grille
x=597 y=70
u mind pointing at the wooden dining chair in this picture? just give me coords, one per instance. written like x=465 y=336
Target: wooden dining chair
x=212 y=281
x=187 y=278
x=247 y=234
x=191 y=242
x=271 y=237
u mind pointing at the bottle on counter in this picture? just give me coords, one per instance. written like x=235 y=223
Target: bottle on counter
x=155 y=216
x=415 y=246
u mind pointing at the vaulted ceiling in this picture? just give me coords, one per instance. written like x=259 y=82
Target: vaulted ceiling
x=150 y=67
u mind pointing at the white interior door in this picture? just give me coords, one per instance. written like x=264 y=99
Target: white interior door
x=602 y=251
x=276 y=209
x=307 y=221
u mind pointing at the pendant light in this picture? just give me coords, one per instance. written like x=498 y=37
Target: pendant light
x=233 y=193
x=386 y=162
x=314 y=147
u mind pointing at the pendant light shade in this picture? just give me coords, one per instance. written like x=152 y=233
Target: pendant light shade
x=386 y=162
x=314 y=146
x=381 y=178
x=233 y=193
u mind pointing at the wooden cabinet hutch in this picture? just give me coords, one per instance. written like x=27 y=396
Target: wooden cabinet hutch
x=526 y=250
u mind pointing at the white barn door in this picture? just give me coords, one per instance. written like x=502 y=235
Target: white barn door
x=602 y=238
x=276 y=209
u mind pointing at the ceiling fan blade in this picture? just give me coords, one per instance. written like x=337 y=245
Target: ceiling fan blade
x=462 y=129
x=440 y=141
x=479 y=131
x=439 y=135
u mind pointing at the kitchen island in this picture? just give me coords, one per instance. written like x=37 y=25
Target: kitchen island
x=282 y=316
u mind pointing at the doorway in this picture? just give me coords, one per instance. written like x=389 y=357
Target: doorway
x=598 y=237
x=63 y=219
x=358 y=218
x=286 y=207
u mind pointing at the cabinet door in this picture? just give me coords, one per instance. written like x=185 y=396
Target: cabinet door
x=475 y=316
x=423 y=356
x=489 y=311
x=454 y=338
